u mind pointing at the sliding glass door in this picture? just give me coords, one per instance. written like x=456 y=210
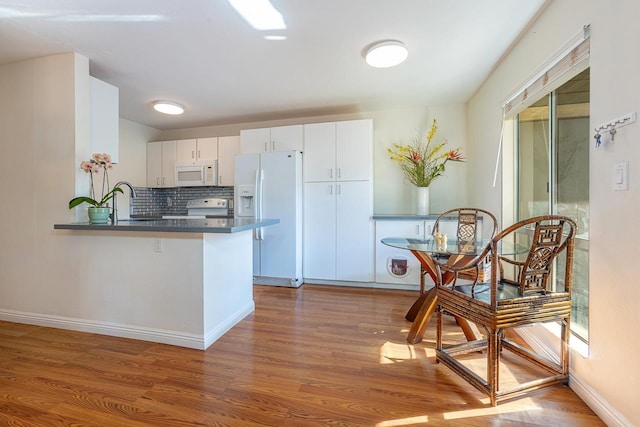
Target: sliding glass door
x=552 y=173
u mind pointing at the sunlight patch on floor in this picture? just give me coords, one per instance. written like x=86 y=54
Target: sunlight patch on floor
x=525 y=404
x=391 y=352
x=404 y=421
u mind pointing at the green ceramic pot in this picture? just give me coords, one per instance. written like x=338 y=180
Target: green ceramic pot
x=98 y=215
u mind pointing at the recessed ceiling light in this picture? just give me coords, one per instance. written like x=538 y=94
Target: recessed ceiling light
x=387 y=53
x=260 y=14
x=278 y=38
x=168 y=107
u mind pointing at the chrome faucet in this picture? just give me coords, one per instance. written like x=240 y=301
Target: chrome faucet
x=114 y=212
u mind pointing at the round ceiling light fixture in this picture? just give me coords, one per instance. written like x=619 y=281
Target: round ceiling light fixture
x=386 y=53
x=168 y=107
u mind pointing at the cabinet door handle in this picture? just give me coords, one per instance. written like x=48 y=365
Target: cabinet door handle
x=163 y=178
x=273 y=146
x=331 y=189
x=158 y=181
x=339 y=189
x=199 y=154
x=418 y=229
x=339 y=172
x=193 y=154
x=331 y=173
x=219 y=179
x=265 y=146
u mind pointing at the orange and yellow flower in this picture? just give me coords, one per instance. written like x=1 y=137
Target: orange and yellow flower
x=420 y=162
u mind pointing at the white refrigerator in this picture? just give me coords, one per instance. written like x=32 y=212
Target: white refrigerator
x=269 y=185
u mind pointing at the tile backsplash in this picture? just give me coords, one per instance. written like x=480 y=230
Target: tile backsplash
x=173 y=201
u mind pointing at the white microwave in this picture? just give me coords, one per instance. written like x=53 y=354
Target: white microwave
x=197 y=175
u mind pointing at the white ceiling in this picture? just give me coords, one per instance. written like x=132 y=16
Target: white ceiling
x=201 y=54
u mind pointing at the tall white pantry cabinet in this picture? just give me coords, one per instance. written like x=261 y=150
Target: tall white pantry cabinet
x=338 y=201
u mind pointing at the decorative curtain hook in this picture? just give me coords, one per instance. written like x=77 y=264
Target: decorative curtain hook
x=612 y=132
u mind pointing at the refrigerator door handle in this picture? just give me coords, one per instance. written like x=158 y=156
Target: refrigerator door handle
x=256 y=202
x=259 y=181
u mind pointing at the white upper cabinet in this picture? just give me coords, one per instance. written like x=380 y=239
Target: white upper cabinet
x=338 y=151
x=319 y=152
x=280 y=138
x=161 y=161
x=196 y=151
x=354 y=150
x=228 y=148
x=104 y=118
x=206 y=149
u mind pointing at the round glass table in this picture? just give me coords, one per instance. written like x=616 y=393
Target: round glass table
x=456 y=254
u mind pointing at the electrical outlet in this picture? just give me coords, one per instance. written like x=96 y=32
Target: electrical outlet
x=158 y=245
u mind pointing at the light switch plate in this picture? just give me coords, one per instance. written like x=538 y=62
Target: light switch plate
x=621 y=176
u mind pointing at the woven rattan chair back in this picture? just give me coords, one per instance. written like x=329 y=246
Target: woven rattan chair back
x=467 y=222
x=536 y=270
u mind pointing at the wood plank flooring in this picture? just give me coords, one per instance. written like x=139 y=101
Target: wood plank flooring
x=312 y=356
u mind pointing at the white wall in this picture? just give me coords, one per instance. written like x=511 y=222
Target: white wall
x=43 y=137
x=37 y=179
x=391 y=194
x=609 y=378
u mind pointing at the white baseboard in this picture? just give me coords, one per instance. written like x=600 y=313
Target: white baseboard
x=214 y=334
x=375 y=285
x=597 y=403
x=112 y=329
x=277 y=281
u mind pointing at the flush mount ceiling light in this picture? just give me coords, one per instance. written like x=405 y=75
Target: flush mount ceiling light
x=385 y=54
x=168 y=107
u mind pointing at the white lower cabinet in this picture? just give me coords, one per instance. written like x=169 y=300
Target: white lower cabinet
x=338 y=231
x=398 y=266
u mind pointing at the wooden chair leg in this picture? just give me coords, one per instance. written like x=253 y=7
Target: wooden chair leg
x=439 y=332
x=493 y=364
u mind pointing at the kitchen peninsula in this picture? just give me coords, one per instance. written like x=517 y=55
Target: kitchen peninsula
x=175 y=281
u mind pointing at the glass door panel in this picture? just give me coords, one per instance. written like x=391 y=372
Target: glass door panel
x=533 y=160
x=571 y=188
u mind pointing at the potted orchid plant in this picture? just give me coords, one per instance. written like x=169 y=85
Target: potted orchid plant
x=99 y=209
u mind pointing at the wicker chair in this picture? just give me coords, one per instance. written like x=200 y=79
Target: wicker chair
x=518 y=293
x=467 y=230
x=464 y=224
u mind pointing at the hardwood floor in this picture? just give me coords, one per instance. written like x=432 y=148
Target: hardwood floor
x=313 y=356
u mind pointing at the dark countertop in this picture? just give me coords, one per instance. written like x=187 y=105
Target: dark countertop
x=208 y=225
